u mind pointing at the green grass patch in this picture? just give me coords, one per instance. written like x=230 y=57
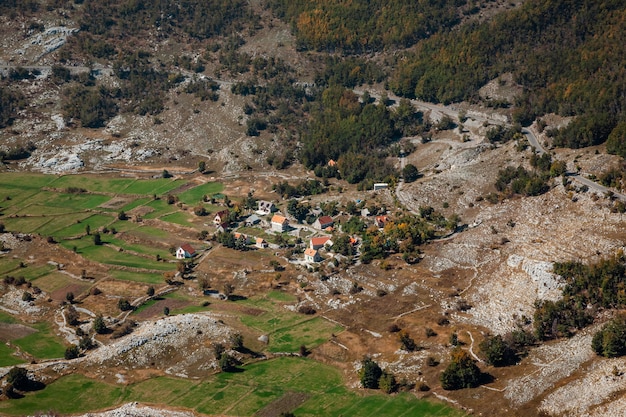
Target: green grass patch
x=282 y=296
x=194 y=195
x=309 y=333
x=141 y=249
x=134 y=204
x=24 y=224
x=22 y=180
x=94 y=222
x=7 y=318
x=151 y=187
x=6 y=356
x=54 y=281
x=34 y=272
x=147 y=277
x=58 y=225
x=244 y=394
x=287 y=330
x=151 y=232
x=8 y=265
x=92 y=183
x=106 y=255
x=75 y=202
x=180 y=217
x=160 y=208
x=43 y=344
x=70 y=394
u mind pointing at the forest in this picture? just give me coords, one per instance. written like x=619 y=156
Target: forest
x=568 y=56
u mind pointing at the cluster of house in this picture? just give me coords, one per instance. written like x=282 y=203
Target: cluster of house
x=279 y=224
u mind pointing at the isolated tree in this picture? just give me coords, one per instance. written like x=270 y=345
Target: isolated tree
x=236 y=339
x=387 y=383
x=18 y=378
x=166 y=174
x=150 y=291
x=166 y=311
x=201 y=167
x=124 y=305
x=87 y=230
x=122 y=215
x=97 y=239
x=410 y=173
x=227 y=363
x=228 y=289
x=72 y=352
x=461 y=372
x=71 y=315
x=99 y=326
x=407 y=341
x=498 y=352
x=69 y=297
x=370 y=373
x=218 y=349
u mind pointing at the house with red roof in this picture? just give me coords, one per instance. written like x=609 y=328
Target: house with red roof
x=185 y=251
x=323 y=222
x=320 y=242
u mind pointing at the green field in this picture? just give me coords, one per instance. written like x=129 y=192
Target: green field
x=194 y=195
x=6 y=356
x=43 y=344
x=287 y=330
x=181 y=218
x=240 y=393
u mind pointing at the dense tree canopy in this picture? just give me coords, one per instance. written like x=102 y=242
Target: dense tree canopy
x=569 y=56
x=358 y=26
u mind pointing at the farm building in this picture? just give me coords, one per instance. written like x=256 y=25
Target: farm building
x=260 y=243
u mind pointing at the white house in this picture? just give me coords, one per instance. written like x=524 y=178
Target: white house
x=312 y=255
x=185 y=251
x=279 y=223
x=320 y=242
x=265 y=207
x=260 y=243
x=220 y=218
x=380 y=186
x=323 y=222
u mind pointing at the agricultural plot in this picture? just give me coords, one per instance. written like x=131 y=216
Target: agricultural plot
x=56 y=280
x=245 y=393
x=181 y=218
x=145 y=277
x=6 y=356
x=43 y=344
x=194 y=195
x=151 y=187
x=34 y=272
x=287 y=330
x=92 y=183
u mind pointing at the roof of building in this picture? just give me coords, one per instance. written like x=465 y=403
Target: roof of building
x=310 y=252
x=188 y=248
x=277 y=218
x=315 y=241
x=325 y=220
x=260 y=240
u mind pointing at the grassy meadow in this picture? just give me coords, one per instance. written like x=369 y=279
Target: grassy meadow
x=256 y=387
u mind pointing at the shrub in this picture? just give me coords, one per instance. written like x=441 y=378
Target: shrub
x=462 y=372
x=370 y=373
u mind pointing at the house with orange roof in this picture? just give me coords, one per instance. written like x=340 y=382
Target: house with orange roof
x=381 y=221
x=279 y=223
x=312 y=255
x=260 y=243
x=320 y=242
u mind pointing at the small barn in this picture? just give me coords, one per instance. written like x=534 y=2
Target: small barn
x=185 y=251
